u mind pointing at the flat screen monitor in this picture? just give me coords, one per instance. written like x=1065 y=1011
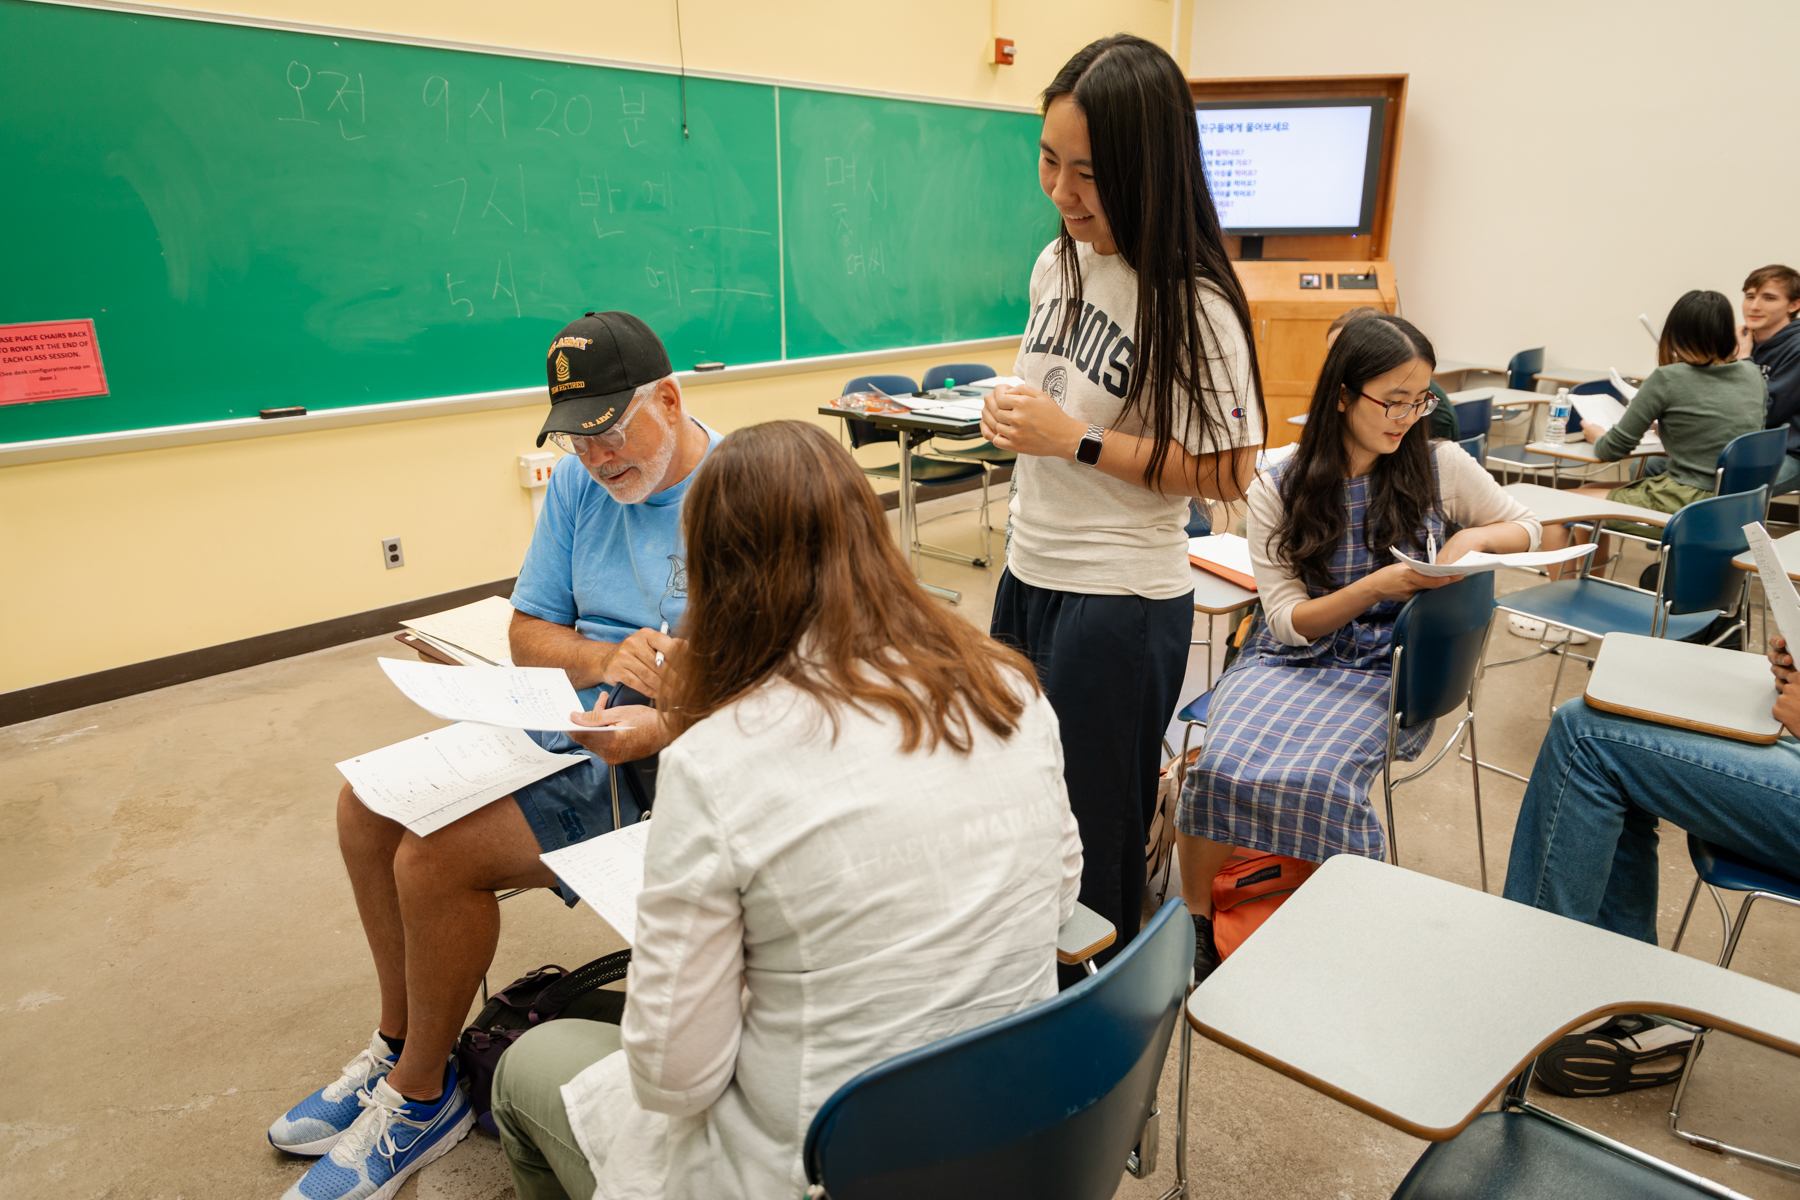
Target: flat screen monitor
x=1292 y=166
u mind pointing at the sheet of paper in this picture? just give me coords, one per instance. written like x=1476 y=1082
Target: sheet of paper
x=1784 y=603
x=1599 y=408
x=431 y=780
x=1625 y=389
x=454 y=653
x=514 y=697
x=608 y=873
x=993 y=381
x=1228 y=550
x=1476 y=562
x=480 y=628
x=960 y=409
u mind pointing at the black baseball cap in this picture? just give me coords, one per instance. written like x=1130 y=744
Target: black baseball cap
x=594 y=365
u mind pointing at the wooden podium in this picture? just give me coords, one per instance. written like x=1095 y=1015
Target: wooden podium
x=1296 y=289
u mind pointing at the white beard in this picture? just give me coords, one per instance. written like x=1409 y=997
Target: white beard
x=635 y=487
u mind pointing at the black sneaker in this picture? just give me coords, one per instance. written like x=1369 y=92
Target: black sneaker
x=1206 y=954
x=1613 y=1055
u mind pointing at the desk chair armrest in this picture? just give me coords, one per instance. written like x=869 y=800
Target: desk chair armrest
x=1085 y=934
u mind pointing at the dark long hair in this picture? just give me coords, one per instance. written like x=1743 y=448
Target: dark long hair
x=1402 y=487
x=1145 y=143
x=792 y=574
x=1700 y=329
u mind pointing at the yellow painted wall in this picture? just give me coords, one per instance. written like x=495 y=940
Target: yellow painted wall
x=117 y=559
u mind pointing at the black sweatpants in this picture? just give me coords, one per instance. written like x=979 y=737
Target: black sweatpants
x=1112 y=667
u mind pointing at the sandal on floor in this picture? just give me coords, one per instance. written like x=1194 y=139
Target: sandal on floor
x=1613 y=1055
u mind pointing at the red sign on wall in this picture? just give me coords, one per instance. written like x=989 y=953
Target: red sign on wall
x=49 y=360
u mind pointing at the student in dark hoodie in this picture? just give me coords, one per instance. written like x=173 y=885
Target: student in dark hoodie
x=1770 y=338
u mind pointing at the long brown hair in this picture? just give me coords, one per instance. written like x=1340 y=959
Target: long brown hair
x=793 y=575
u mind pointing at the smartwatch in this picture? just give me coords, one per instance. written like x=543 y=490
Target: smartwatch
x=1088 y=450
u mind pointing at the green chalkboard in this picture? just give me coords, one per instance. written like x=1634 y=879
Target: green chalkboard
x=256 y=217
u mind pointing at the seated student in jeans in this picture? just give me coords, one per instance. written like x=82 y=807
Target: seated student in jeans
x=1770 y=338
x=1585 y=846
x=600 y=578
x=862 y=844
x=1299 y=723
x=1700 y=396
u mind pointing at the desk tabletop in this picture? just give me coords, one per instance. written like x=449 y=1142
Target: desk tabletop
x=1214 y=594
x=1415 y=1000
x=1723 y=692
x=1584 y=451
x=915 y=422
x=1571 y=376
x=1786 y=548
x=1554 y=506
x=1451 y=366
x=1501 y=396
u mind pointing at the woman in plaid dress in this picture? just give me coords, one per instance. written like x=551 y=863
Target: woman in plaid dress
x=1299 y=723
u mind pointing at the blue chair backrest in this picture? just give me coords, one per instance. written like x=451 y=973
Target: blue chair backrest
x=1045 y=1103
x=861 y=432
x=1523 y=366
x=1751 y=460
x=1442 y=633
x=1698 y=545
x=1477 y=447
x=1597 y=387
x=961 y=372
x=1473 y=416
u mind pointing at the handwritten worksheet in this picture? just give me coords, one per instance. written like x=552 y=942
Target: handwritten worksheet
x=431 y=780
x=608 y=873
x=515 y=697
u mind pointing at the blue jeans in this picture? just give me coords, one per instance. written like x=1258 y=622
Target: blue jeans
x=1788 y=478
x=1585 y=845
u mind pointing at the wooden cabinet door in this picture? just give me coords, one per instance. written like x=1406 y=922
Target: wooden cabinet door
x=1290 y=349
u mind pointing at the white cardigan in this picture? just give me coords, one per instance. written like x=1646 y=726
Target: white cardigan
x=810 y=909
x=1470 y=497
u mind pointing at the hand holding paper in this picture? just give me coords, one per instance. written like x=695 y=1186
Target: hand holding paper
x=1477 y=561
x=512 y=697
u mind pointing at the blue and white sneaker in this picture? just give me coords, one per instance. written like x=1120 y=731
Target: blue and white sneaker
x=315 y=1124
x=392 y=1138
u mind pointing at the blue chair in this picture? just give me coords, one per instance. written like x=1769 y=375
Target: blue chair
x=926 y=471
x=1717 y=867
x=1476 y=447
x=1521 y=371
x=1473 y=416
x=1696 y=584
x=1439 y=637
x=974 y=449
x=1750 y=461
x=1047 y=1103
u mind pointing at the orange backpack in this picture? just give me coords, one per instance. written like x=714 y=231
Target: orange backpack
x=1248 y=890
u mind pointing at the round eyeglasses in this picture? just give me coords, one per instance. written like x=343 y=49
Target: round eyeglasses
x=613 y=439
x=1399 y=410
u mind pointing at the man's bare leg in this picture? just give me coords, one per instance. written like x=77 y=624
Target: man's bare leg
x=445 y=884
x=368 y=842
x=1200 y=860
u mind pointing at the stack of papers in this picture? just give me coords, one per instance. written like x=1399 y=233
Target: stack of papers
x=474 y=635
x=608 y=873
x=1475 y=562
x=1226 y=555
x=431 y=780
x=512 y=697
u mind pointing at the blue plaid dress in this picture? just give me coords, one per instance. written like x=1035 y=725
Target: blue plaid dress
x=1297 y=733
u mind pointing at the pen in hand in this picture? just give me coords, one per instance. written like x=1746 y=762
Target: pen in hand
x=659 y=657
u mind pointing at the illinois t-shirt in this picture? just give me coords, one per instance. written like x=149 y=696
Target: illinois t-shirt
x=1075 y=529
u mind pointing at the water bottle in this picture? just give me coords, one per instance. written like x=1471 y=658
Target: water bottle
x=1558 y=425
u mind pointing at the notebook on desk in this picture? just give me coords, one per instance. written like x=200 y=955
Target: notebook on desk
x=1225 y=555
x=1703 y=688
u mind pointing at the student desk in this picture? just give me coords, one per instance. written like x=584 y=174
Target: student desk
x=1507 y=402
x=1215 y=596
x=1726 y=693
x=906 y=425
x=1583 y=452
x=1451 y=366
x=1447 y=992
x=1570 y=376
x=1786 y=548
x=1554 y=507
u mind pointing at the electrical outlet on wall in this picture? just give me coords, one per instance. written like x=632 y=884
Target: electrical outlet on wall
x=391 y=555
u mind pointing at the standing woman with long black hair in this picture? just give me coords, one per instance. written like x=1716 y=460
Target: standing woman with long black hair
x=1141 y=391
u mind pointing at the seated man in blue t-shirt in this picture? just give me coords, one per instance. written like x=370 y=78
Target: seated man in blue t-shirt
x=602 y=584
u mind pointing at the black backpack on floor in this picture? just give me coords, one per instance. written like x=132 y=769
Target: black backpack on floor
x=547 y=994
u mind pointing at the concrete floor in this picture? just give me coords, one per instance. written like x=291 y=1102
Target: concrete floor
x=184 y=961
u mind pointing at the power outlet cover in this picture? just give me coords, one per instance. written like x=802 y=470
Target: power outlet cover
x=391 y=554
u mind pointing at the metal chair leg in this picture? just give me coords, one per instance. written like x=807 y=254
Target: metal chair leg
x=1681 y=930
x=1181 y=1108
x=1475 y=774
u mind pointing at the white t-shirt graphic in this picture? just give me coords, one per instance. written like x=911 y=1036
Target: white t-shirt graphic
x=1075 y=529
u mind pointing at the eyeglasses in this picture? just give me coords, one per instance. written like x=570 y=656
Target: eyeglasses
x=612 y=439
x=1399 y=410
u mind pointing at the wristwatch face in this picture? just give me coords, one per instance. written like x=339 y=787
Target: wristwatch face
x=1088 y=451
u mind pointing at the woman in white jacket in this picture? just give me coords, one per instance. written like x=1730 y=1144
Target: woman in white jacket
x=862 y=844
